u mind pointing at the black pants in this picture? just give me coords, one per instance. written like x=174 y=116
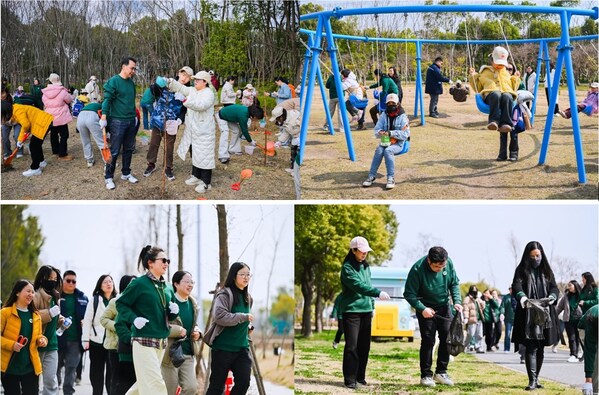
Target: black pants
x=432 y=107
x=126 y=377
x=374 y=113
x=500 y=108
x=351 y=109
x=503 y=146
x=534 y=354
x=203 y=174
x=356 y=327
x=27 y=384
x=496 y=332
x=58 y=139
x=573 y=336
x=489 y=334
x=113 y=379
x=240 y=363
x=339 y=330
x=428 y=328
x=37 y=153
x=556 y=104
x=98 y=363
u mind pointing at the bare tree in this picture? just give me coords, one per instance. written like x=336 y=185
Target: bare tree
x=565 y=269
x=179 y=238
x=223 y=250
x=514 y=248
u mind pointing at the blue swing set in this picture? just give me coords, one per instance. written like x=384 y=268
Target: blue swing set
x=311 y=69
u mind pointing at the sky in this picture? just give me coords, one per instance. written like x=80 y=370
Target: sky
x=477 y=235
x=95 y=239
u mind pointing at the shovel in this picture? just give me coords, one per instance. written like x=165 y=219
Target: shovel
x=106 y=155
x=269 y=150
x=8 y=161
x=245 y=173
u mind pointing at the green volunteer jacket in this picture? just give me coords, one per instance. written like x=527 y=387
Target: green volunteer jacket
x=357 y=290
x=119 y=98
x=432 y=288
x=237 y=113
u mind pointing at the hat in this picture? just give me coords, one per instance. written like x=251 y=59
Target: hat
x=92 y=78
x=594 y=85
x=392 y=97
x=500 y=56
x=54 y=78
x=84 y=99
x=211 y=72
x=186 y=69
x=458 y=82
x=83 y=91
x=249 y=86
x=201 y=75
x=276 y=112
x=20 y=88
x=360 y=243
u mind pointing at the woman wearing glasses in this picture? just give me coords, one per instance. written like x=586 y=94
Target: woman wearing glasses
x=183 y=375
x=228 y=334
x=147 y=305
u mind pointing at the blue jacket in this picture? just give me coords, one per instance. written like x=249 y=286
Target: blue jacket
x=80 y=307
x=396 y=131
x=434 y=80
x=173 y=111
x=283 y=93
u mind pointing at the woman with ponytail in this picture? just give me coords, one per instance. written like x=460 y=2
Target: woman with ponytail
x=147 y=304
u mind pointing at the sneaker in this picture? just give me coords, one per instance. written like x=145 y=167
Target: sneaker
x=427 y=381
x=224 y=160
x=19 y=155
x=492 y=126
x=480 y=351
x=43 y=164
x=362 y=382
x=66 y=157
x=587 y=389
x=368 y=181
x=130 y=178
x=238 y=153
x=150 y=169
x=471 y=348
x=442 y=378
x=168 y=172
x=522 y=360
x=554 y=349
x=325 y=127
x=90 y=163
x=573 y=359
x=390 y=183
x=506 y=351
x=580 y=355
x=31 y=172
x=109 y=183
x=434 y=115
x=335 y=344
x=193 y=180
x=351 y=386
x=202 y=188
x=562 y=114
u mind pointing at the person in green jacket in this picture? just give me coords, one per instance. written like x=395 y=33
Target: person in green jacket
x=333 y=102
x=234 y=118
x=507 y=311
x=356 y=306
x=388 y=86
x=147 y=304
x=431 y=280
x=125 y=375
x=589 y=295
x=490 y=318
x=336 y=315
x=589 y=323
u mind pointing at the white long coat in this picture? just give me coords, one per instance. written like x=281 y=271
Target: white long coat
x=200 y=127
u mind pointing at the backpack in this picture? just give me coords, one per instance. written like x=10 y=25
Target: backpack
x=518 y=120
x=77 y=107
x=293 y=93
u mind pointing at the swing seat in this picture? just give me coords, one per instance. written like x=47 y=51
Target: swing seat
x=357 y=103
x=481 y=105
x=405 y=148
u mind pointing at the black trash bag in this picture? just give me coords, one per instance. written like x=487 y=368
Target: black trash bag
x=455 y=340
x=538 y=318
x=175 y=351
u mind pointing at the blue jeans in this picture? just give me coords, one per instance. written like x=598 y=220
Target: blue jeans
x=122 y=133
x=69 y=358
x=147 y=114
x=6 y=138
x=508 y=335
x=389 y=154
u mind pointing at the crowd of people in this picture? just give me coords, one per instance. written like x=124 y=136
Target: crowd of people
x=48 y=324
x=189 y=99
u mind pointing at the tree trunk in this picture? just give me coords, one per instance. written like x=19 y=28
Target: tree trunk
x=179 y=238
x=223 y=246
x=307 y=292
x=318 y=311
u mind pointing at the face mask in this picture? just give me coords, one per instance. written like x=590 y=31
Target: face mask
x=391 y=109
x=49 y=285
x=535 y=262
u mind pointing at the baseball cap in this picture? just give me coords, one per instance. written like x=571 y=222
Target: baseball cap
x=392 y=97
x=20 y=88
x=360 y=243
x=595 y=85
x=92 y=78
x=201 y=75
x=186 y=69
x=276 y=112
x=54 y=78
x=249 y=86
x=500 y=55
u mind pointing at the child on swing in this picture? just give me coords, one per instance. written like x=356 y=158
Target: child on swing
x=588 y=105
x=393 y=129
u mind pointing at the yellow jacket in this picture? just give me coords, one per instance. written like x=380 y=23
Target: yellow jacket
x=32 y=120
x=489 y=79
x=11 y=326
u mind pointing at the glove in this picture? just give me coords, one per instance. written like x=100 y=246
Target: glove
x=103 y=123
x=278 y=144
x=140 y=322
x=179 y=96
x=54 y=311
x=523 y=301
x=161 y=82
x=85 y=344
x=551 y=299
x=450 y=82
x=384 y=296
x=173 y=307
x=19 y=144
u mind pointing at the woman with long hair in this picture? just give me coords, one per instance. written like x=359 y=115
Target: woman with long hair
x=183 y=376
x=229 y=334
x=147 y=305
x=47 y=286
x=21 y=336
x=589 y=294
x=535 y=289
x=92 y=337
x=568 y=303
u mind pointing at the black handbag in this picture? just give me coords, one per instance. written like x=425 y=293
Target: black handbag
x=175 y=351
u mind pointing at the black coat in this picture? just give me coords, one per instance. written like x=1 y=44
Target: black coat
x=434 y=80
x=523 y=283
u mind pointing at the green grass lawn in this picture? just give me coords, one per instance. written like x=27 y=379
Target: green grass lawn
x=393 y=368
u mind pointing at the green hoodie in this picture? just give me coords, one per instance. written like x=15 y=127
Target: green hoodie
x=432 y=288
x=357 y=289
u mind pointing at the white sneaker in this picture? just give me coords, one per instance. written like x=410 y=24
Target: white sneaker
x=130 y=178
x=554 y=349
x=90 y=163
x=368 y=181
x=31 y=172
x=43 y=164
x=442 y=378
x=19 y=155
x=587 y=389
x=335 y=345
x=390 y=183
x=193 y=180
x=428 y=381
x=202 y=188
x=580 y=354
x=109 y=183
x=573 y=359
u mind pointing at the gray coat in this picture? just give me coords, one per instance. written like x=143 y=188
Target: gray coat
x=222 y=316
x=175 y=334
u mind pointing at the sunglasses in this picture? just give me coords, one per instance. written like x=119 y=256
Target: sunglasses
x=70 y=281
x=164 y=260
x=510 y=69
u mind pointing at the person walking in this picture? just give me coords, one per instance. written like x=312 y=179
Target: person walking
x=147 y=305
x=568 y=304
x=589 y=294
x=507 y=312
x=57 y=102
x=434 y=85
x=93 y=335
x=333 y=103
x=533 y=287
x=430 y=283
x=337 y=316
x=496 y=319
x=21 y=337
x=589 y=323
x=183 y=327
x=93 y=90
x=118 y=107
x=229 y=333
x=473 y=318
x=47 y=285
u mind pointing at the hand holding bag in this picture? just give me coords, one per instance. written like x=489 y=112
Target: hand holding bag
x=175 y=351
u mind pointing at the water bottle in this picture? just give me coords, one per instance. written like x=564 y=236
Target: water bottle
x=385 y=140
x=65 y=325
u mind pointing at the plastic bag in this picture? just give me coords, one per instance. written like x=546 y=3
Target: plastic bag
x=175 y=351
x=455 y=340
x=172 y=126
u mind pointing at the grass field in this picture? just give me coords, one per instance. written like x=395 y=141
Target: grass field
x=452 y=157
x=393 y=368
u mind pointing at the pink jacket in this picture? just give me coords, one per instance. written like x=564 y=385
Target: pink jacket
x=56 y=100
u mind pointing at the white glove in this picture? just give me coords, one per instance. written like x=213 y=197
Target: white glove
x=140 y=322
x=450 y=82
x=278 y=144
x=551 y=299
x=384 y=296
x=523 y=301
x=179 y=96
x=19 y=144
x=54 y=311
x=103 y=123
x=173 y=307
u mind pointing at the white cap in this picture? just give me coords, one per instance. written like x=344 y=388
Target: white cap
x=249 y=86
x=211 y=72
x=54 y=78
x=20 y=88
x=360 y=243
x=276 y=112
x=594 y=84
x=92 y=78
x=83 y=91
x=201 y=75
x=458 y=82
x=187 y=69
x=392 y=97
x=500 y=56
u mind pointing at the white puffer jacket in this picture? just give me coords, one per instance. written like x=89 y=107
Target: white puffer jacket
x=200 y=127
x=350 y=84
x=88 y=332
